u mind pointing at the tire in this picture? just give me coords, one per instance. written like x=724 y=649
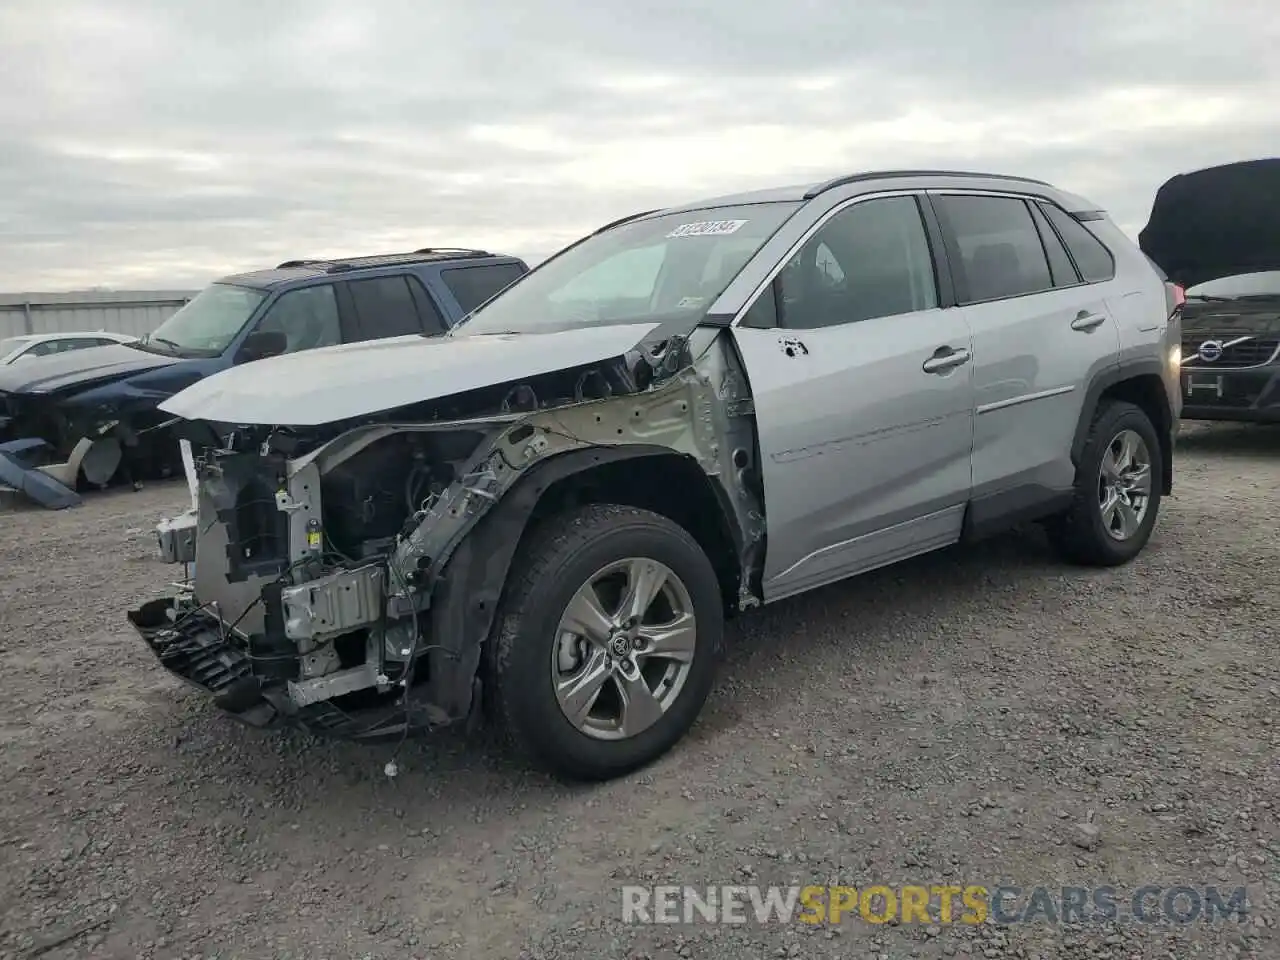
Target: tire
x=1081 y=534
x=529 y=650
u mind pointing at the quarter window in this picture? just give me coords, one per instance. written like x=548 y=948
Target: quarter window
x=472 y=286
x=308 y=317
x=1090 y=254
x=870 y=260
x=1000 y=250
x=1060 y=266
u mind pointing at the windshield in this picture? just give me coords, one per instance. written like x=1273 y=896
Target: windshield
x=649 y=271
x=208 y=324
x=1262 y=284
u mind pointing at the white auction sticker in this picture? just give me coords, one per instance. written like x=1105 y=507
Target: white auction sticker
x=707 y=228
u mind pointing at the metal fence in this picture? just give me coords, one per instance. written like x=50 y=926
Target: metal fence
x=133 y=312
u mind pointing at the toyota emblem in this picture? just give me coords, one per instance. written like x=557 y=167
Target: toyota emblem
x=1210 y=351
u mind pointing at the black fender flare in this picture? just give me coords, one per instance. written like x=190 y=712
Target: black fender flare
x=1105 y=380
x=466 y=597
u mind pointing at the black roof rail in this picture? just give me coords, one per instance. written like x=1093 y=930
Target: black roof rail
x=457 y=250
x=888 y=174
x=621 y=220
x=393 y=259
x=343 y=264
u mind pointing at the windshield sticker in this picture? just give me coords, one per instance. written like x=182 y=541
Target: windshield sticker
x=707 y=228
x=688 y=303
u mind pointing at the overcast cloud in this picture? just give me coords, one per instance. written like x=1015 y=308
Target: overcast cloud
x=160 y=143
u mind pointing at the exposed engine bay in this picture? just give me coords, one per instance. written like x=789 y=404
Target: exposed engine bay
x=346 y=576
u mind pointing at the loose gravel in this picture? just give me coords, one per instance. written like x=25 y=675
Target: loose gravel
x=982 y=715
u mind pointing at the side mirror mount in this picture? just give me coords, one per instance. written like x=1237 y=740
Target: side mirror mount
x=260 y=345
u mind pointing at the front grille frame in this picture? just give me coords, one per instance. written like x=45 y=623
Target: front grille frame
x=1250 y=354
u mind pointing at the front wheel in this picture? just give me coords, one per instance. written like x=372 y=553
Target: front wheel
x=1117 y=490
x=607 y=641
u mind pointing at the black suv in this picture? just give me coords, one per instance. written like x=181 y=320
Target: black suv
x=111 y=393
x=1217 y=232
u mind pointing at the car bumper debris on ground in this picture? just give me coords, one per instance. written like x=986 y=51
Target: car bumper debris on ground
x=981 y=716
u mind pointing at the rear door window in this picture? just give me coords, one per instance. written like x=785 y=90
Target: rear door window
x=1090 y=254
x=385 y=307
x=472 y=286
x=999 y=248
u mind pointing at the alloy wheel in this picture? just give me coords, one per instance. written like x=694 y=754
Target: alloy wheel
x=624 y=649
x=1124 y=484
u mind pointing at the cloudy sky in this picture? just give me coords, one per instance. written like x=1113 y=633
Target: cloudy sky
x=159 y=143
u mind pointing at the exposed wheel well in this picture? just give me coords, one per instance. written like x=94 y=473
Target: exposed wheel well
x=1147 y=392
x=672 y=485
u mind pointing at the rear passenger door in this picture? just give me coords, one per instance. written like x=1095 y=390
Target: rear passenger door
x=861 y=387
x=1040 y=333
x=395 y=305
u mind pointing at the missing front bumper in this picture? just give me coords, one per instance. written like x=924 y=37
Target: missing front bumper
x=193 y=646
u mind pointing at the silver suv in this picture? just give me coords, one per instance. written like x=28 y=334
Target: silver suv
x=550 y=510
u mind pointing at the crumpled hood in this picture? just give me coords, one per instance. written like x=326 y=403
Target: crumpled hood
x=78 y=368
x=1216 y=222
x=314 y=387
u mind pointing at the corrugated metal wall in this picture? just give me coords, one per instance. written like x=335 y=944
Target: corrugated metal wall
x=130 y=311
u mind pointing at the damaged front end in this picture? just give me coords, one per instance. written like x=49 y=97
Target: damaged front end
x=84 y=438
x=346 y=576
x=49 y=450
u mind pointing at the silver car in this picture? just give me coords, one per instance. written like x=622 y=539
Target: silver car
x=29 y=346
x=550 y=511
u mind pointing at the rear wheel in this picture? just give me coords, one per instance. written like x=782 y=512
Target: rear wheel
x=607 y=641
x=1117 y=489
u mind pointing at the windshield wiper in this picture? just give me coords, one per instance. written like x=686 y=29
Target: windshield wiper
x=1210 y=298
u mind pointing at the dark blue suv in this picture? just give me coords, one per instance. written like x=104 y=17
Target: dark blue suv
x=111 y=392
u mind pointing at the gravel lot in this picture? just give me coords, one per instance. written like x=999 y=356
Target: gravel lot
x=961 y=718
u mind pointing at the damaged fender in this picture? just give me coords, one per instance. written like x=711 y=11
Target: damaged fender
x=19 y=472
x=428 y=600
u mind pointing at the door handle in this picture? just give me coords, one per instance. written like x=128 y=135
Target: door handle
x=941 y=362
x=1087 y=321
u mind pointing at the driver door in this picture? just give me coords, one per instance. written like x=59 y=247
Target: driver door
x=863 y=400
x=307 y=317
